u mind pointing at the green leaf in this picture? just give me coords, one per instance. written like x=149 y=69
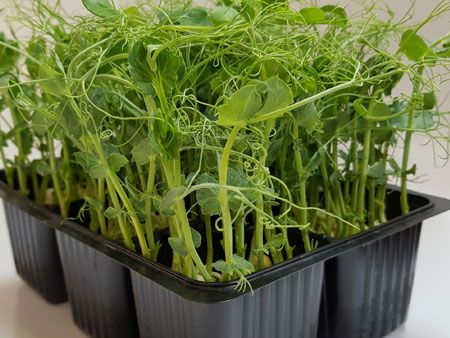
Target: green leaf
x=380 y=109
x=335 y=15
x=237 y=178
x=39 y=123
x=444 y=51
x=68 y=120
x=308 y=117
x=313 y=163
x=275 y=241
x=36 y=48
x=178 y=246
x=429 y=101
x=241 y=106
x=395 y=167
x=142 y=152
x=51 y=81
x=101 y=8
x=139 y=69
x=196 y=238
x=278 y=95
x=116 y=161
x=167 y=139
x=42 y=168
x=413 y=46
x=169 y=200
x=111 y=213
x=8 y=56
x=359 y=108
x=424 y=120
x=91 y=165
x=98 y=171
x=378 y=172
x=208 y=198
x=243 y=265
x=274 y=151
x=193 y=16
x=221 y=14
x=381 y=136
x=223 y=267
x=312 y=15
x=92 y=202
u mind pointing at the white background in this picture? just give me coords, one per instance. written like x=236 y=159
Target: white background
x=24 y=315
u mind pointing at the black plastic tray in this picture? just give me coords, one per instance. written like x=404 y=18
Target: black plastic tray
x=99 y=290
x=367 y=290
x=425 y=206
x=35 y=253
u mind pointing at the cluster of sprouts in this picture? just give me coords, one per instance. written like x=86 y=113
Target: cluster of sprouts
x=236 y=135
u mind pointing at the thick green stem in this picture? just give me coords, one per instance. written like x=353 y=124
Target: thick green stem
x=126 y=233
x=326 y=189
x=282 y=165
x=355 y=183
x=209 y=244
x=259 y=232
x=22 y=176
x=223 y=196
x=381 y=197
x=114 y=183
x=240 y=235
x=132 y=213
x=405 y=163
x=259 y=224
x=302 y=189
x=363 y=174
x=101 y=210
x=181 y=209
x=68 y=174
x=9 y=172
x=149 y=229
x=34 y=179
x=173 y=177
x=55 y=176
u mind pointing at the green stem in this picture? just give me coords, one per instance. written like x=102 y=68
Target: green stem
x=35 y=182
x=55 y=176
x=405 y=163
x=126 y=233
x=259 y=225
x=22 y=176
x=43 y=189
x=302 y=188
x=209 y=244
x=114 y=183
x=240 y=235
x=326 y=189
x=187 y=234
x=363 y=175
x=9 y=172
x=149 y=228
x=223 y=196
x=381 y=197
x=68 y=177
x=101 y=210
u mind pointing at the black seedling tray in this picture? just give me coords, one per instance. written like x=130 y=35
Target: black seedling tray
x=423 y=207
x=285 y=300
x=35 y=253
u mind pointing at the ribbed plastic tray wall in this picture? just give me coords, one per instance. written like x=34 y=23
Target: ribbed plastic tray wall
x=367 y=291
x=36 y=254
x=287 y=308
x=99 y=291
